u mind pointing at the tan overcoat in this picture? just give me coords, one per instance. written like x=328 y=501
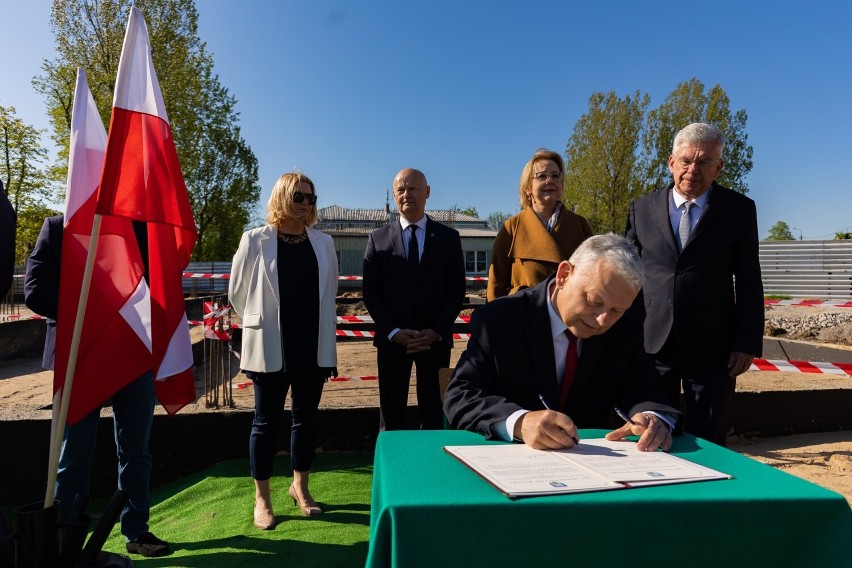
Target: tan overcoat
x=524 y=253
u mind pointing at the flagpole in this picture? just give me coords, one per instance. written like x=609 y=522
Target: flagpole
x=61 y=417
x=54 y=425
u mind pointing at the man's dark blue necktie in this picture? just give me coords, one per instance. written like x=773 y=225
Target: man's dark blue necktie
x=413 y=250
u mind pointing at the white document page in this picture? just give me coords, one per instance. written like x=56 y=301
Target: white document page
x=597 y=464
x=520 y=470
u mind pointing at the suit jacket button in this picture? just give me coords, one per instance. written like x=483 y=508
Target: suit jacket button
x=679 y=272
x=671 y=301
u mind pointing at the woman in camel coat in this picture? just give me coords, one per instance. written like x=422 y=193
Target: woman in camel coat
x=531 y=244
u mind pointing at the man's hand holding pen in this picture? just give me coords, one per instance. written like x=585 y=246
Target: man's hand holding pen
x=652 y=431
x=546 y=430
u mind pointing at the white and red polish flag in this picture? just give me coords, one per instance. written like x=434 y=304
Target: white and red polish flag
x=115 y=343
x=142 y=180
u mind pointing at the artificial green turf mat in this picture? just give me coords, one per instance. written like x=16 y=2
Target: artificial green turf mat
x=207 y=518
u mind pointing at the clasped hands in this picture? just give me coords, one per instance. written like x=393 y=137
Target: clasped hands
x=552 y=430
x=416 y=341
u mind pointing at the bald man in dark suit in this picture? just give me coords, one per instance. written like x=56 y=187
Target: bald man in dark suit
x=414 y=287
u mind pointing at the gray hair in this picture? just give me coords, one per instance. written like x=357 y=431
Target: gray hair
x=697 y=134
x=616 y=251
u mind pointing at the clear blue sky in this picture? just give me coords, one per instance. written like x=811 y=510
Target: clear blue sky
x=351 y=91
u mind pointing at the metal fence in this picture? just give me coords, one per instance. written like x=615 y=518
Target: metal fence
x=807 y=269
x=194 y=287
x=798 y=269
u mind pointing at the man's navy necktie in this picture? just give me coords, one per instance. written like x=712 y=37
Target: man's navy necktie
x=413 y=250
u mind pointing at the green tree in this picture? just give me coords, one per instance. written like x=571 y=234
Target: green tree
x=840 y=235
x=686 y=104
x=30 y=221
x=780 y=231
x=497 y=218
x=23 y=173
x=219 y=167
x=602 y=171
x=469 y=211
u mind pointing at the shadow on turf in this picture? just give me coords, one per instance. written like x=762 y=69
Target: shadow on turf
x=211 y=528
x=259 y=552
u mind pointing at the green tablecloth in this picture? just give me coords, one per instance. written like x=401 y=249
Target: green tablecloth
x=428 y=509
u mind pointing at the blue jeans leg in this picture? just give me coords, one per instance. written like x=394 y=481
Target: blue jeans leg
x=133 y=409
x=305 y=392
x=270 y=391
x=75 y=461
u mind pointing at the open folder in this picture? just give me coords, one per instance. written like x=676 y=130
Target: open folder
x=596 y=465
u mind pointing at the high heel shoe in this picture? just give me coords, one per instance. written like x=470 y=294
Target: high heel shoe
x=263 y=518
x=308 y=509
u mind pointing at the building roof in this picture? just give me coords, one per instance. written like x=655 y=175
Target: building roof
x=336 y=214
x=464 y=232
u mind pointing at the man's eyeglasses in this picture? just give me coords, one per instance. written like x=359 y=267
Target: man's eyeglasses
x=299 y=197
x=542 y=176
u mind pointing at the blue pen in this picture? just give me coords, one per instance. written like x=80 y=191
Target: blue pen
x=547 y=406
x=624 y=416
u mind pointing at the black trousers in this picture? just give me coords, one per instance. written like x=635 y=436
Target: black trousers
x=394 y=378
x=707 y=390
x=270 y=390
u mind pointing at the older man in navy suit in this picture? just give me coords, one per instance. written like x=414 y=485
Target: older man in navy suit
x=703 y=295
x=562 y=355
x=413 y=288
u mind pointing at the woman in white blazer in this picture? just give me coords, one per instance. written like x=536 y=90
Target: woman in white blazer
x=283 y=286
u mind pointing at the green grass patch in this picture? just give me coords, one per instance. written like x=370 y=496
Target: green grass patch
x=776 y=297
x=207 y=518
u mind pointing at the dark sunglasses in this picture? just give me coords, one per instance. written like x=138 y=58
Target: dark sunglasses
x=299 y=197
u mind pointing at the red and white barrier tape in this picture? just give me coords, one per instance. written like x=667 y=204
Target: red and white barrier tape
x=844 y=369
x=801 y=367
x=810 y=303
x=226 y=276
x=368 y=319
x=246 y=384
x=356 y=333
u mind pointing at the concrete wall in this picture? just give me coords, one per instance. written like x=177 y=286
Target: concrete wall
x=186 y=443
x=21 y=339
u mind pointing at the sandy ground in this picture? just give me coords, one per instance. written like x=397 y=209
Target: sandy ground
x=823 y=458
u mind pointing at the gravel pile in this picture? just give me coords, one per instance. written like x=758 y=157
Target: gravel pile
x=802 y=323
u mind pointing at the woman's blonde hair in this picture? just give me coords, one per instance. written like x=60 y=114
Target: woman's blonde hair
x=542 y=154
x=280 y=206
